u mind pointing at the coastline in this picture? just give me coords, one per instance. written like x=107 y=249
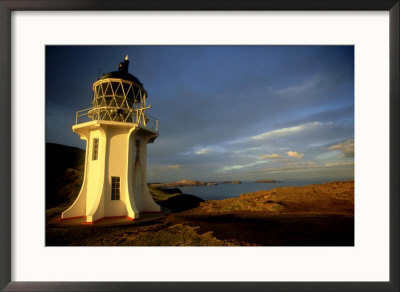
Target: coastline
x=224 y=191
x=185 y=182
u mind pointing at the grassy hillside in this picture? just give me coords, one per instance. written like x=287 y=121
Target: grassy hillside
x=327 y=198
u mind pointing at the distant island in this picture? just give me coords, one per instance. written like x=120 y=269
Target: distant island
x=180 y=183
x=232 y=182
x=266 y=181
x=185 y=182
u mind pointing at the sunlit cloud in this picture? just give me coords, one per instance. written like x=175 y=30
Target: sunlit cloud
x=285 y=131
x=211 y=149
x=346 y=148
x=204 y=151
x=336 y=164
x=271 y=156
x=246 y=151
x=295 y=154
x=239 y=166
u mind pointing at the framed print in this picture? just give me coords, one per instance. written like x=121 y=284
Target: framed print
x=290 y=109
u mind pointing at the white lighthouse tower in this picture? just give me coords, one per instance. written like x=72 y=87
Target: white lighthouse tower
x=117 y=130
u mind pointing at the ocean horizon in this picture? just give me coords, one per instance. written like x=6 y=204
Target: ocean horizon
x=225 y=190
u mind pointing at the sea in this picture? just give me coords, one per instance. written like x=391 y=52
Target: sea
x=223 y=191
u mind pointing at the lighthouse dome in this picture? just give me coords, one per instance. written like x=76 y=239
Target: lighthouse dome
x=122 y=73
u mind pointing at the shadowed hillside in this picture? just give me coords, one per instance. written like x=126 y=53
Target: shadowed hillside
x=64 y=173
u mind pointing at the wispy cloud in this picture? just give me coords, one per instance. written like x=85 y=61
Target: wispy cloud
x=274 y=156
x=204 y=151
x=286 y=131
x=167 y=167
x=271 y=156
x=346 y=148
x=302 y=163
x=307 y=166
x=295 y=154
x=239 y=166
x=337 y=164
x=306 y=86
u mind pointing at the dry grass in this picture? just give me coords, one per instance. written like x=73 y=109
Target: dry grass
x=175 y=235
x=160 y=194
x=328 y=198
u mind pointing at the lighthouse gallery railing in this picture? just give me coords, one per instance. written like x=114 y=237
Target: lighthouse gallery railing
x=148 y=122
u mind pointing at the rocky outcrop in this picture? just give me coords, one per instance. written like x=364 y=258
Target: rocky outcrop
x=232 y=182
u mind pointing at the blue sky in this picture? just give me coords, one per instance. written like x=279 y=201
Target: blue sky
x=225 y=112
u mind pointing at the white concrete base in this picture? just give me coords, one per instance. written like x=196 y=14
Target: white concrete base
x=118 y=143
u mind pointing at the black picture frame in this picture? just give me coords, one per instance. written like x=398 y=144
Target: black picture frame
x=7 y=6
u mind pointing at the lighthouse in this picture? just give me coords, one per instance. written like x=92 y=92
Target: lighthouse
x=117 y=130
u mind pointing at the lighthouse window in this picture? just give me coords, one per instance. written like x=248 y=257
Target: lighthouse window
x=95 y=148
x=115 y=185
